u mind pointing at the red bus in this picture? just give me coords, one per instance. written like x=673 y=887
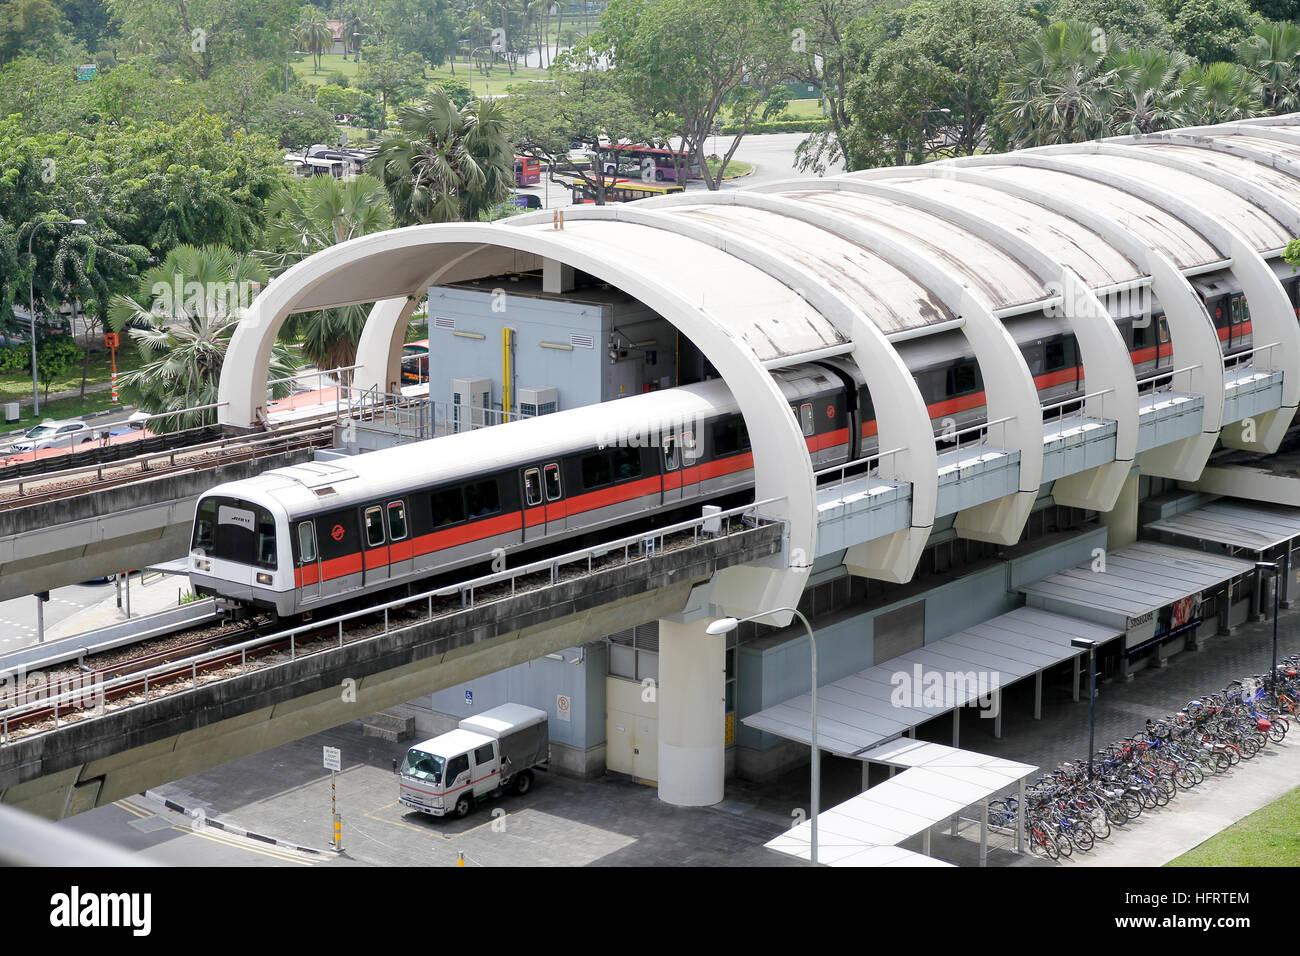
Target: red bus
x=646 y=163
x=528 y=171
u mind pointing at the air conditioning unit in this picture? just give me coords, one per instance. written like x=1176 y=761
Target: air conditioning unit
x=539 y=400
x=471 y=400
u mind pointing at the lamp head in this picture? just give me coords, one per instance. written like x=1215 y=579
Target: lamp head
x=1269 y=567
x=76 y=222
x=723 y=625
x=1083 y=643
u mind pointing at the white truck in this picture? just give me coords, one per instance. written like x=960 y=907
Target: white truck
x=485 y=756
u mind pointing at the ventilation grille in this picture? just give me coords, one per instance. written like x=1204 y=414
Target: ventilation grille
x=580 y=340
x=441 y=322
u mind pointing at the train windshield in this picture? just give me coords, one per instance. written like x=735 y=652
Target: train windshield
x=425 y=766
x=235 y=530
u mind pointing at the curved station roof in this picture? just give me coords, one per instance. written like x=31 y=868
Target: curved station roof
x=855 y=264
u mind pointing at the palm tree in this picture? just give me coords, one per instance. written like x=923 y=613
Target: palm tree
x=1272 y=56
x=304 y=218
x=1221 y=93
x=1152 y=92
x=353 y=27
x=1063 y=90
x=447 y=164
x=181 y=320
x=314 y=33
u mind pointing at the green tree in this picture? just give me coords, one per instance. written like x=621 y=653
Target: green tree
x=1210 y=30
x=1062 y=90
x=1125 y=23
x=1152 y=90
x=29 y=26
x=426 y=28
x=1221 y=93
x=180 y=320
x=306 y=217
x=394 y=78
x=292 y=121
x=684 y=61
x=446 y=164
x=896 y=105
x=56 y=355
x=200 y=35
x=583 y=104
x=1272 y=56
x=313 y=34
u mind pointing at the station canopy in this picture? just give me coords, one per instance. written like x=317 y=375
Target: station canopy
x=1235 y=524
x=1135 y=580
x=883 y=702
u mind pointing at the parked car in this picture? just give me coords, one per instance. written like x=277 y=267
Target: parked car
x=62 y=434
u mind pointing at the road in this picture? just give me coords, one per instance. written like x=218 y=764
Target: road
x=771 y=155
x=18 y=616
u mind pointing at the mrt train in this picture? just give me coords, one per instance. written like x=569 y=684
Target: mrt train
x=303 y=537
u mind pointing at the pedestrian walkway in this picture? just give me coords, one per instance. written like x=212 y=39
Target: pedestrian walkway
x=160 y=594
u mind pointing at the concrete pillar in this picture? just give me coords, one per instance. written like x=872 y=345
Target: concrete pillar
x=557 y=277
x=692 y=688
x=1121 y=521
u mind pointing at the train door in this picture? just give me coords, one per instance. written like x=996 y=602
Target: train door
x=1240 y=335
x=401 y=552
x=1164 y=350
x=556 y=510
x=534 y=504
x=308 y=576
x=670 y=462
x=374 y=552
x=691 y=450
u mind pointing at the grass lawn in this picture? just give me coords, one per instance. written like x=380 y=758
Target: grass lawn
x=497 y=82
x=66 y=408
x=735 y=168
x=1268 y=837
x=802 y=109
x=15 y=386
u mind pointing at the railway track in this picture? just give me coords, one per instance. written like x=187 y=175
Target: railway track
x=39 y=489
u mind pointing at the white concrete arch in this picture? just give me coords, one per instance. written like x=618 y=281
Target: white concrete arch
x=397 y=263
x=1011 y=395
x=1105 y=357
x=1272 y=318
x=1192 y=337
x=1219 y=144
x=902 y=419
x=1280 y=208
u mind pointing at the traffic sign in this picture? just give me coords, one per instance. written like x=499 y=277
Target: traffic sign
x=333 y=759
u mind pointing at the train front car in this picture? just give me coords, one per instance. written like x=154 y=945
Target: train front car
x=240 y=552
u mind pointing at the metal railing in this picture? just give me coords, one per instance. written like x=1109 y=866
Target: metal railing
x=414 y=417
x=638 y=547
x=318 y=374
x=1080 y=412
x=1238 y=359
x=942 y=438
x=868 y=467
x=1163 y=379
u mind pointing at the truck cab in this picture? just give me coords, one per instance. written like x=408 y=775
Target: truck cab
x=485 y=756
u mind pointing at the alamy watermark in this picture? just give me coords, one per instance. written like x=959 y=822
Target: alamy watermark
x=948 y=689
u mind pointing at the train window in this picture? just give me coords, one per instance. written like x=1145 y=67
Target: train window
x=375 y=526
x=552 y=482
x=1164 y=330
x=204 y=525
x=867 y=409
x=806 y=419
x=627 y=463
x=265 y=539
x=671 y=456
x=1245 y=309
x=448 y=507
x=962 y=378
x=533 y=487
x=1055 y=354
x=595 y=470
x=306 y=543
x=396 y=520
x=1236 y=309
x=1140 y=335
x=730 y=437
x=482 y=499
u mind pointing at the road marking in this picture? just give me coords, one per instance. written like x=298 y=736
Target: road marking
x=230 y=842
x=425 y=830
x=132 y=808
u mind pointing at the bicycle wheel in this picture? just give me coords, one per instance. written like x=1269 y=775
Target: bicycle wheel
x=1277 y=731
x=1081 y=836
x=1249 y=746
x=1101 y=823
x=1042 y=844
x=1185 y=777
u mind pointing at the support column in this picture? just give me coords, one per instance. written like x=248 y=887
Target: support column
x=1038 y=696
x=997 y=716
x=692 y=688
x=1121 y=521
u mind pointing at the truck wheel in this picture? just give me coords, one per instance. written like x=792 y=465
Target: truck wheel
x=524 y=782
x=463 y=805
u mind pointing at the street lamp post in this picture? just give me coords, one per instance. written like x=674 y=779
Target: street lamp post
x=31 y=306
x=1272 y=568
x=1090 y=646
x=725 y=625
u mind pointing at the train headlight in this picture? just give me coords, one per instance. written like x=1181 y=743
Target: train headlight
x=263 y=578
x=202 y=564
